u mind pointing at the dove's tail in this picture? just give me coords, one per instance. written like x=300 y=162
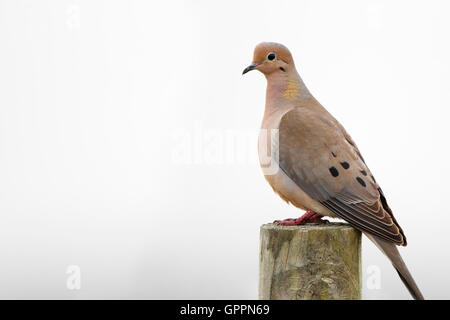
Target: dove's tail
x=391 y=251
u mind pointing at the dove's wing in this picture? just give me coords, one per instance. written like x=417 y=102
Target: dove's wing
x=322 y=159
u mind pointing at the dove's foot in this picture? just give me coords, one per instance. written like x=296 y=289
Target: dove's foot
x=307 y=218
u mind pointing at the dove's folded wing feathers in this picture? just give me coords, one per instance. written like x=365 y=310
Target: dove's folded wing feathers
x=322 y=159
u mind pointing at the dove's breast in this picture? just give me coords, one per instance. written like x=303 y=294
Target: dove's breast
x=284 y=186
x=292 y=193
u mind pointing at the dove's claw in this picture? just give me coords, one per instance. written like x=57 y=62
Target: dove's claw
x=287 y=222
x=307 y=218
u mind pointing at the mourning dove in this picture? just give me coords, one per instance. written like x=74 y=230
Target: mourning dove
x=315 y=164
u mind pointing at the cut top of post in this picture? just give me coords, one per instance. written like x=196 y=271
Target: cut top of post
x=309 y=227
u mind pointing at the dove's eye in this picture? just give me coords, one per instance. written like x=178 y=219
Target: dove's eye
x=271 y=56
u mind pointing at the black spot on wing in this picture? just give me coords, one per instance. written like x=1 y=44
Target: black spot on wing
x=345 y=165
x=334 y=172
x=364 y=172
x=361 y=181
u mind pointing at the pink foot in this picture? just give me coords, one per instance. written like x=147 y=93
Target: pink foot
x=307 y=218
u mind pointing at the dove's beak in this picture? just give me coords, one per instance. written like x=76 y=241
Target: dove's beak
x=250 y=68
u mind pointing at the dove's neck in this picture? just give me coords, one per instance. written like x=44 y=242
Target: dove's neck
x=284 y=90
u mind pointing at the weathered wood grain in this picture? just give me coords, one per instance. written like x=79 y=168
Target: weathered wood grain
x=318 y=262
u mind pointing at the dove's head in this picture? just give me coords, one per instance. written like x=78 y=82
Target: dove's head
x=270 y=57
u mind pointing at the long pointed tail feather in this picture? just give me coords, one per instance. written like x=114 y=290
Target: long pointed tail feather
x=391 y=251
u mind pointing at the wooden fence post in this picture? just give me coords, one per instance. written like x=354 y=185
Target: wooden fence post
x=318 y=262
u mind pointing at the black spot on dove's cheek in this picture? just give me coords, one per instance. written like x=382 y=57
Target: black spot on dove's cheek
x=364 y=172
x=345 y=165
x=282 y=69
x=334 y=172
x=361 y=181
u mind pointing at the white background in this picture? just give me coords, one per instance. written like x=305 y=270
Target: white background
x=113 y=116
